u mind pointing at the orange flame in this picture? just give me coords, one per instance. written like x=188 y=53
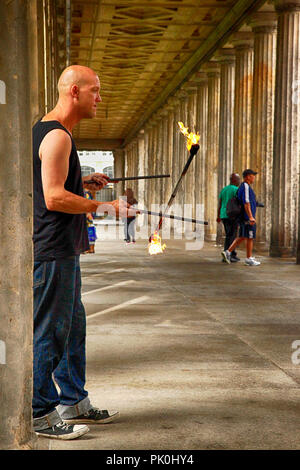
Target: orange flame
x=191 y=137
x=155 y=247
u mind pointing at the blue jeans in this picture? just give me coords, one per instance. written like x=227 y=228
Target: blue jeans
x=59 y=342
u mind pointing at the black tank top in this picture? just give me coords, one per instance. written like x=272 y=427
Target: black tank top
x=56 y=234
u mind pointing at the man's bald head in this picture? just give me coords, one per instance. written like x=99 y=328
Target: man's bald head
x=78 y=75
x=79 y=92
x=235 y=179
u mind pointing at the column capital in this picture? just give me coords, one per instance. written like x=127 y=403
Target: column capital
x=212 y=69
x=148 y=126
x=151 y=122
x=225 y=56
x=201 y=78
x=172 y=103
x=162 y=112
x=263 y=22
x=242 y=40
x=190 y=87
x=286 y=5
x=181 y=94
x=118 y=152
x=156 y=117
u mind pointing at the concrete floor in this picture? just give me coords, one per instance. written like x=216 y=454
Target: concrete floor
x=194 y=353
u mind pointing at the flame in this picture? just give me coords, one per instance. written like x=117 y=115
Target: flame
x=191 y=137
x=155 y=247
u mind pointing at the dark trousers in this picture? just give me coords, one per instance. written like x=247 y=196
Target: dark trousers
x=231 y=227
x=129 y=229
x=59 y=335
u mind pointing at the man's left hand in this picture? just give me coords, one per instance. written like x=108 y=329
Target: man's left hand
x=99 y=180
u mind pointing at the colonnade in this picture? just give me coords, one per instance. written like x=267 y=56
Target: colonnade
x=31 y=47
x=245 y=104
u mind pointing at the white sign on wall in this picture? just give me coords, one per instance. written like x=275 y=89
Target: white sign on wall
x=2 y=92
x=2 y=352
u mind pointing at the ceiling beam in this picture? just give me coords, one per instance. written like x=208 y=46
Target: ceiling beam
x=230 y=23
x=98 y=144
x=165 y=4
x=125 y=23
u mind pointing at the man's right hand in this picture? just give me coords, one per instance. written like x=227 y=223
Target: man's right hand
x=117 y=208
x=218 y=220
x=252 y=221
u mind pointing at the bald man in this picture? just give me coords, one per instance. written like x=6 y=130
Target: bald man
x=230 y=225
x=60 y=236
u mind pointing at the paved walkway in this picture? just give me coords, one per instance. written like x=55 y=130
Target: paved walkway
x=196 y=354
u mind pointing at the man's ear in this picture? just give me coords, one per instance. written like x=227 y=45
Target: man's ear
x=74 y=91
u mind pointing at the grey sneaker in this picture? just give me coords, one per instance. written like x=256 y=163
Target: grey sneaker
x=95 y=416
x=252 y=261
x=63 y=431
x=226 y=256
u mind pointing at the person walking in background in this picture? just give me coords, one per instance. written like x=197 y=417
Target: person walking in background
x=90 y=223
x=247 y=219
x=230 y=225
x=129 y=222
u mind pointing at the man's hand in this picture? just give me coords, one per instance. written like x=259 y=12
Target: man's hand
x=218 y=220
x=99 y=181
x=117 y=208
x=252 y=221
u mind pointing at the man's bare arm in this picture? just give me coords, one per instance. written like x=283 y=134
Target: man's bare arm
x=249 y=212
x=219 y=211
x=54 y=154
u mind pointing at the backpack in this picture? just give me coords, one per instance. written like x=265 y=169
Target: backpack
x=234 y=208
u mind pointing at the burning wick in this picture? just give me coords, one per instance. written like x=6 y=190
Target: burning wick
x=191 y=137
x=155 y=247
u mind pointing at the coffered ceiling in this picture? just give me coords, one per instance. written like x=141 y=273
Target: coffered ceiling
x=143 y=51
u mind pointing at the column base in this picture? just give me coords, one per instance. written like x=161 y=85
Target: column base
x=220 y=236
x=210 y=237
x=262 y=247
x=282 y=251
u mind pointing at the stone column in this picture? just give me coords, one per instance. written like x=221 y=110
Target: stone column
x=212 y=153
x=170 y=151
x=16 y=322
x=151 y=161
x=165 y=148
x=176 y=141
x=201 y=125
x=159 y=157
x=128 y=151
x=243 y=43
x=147 y=160
x=286 y=131
x=119 y=171
x=157 y=152
x=141 y=168
x=226 y=59
x=191 y=89
x=36 y=39
x=134 y=185
x=183 y=152
x=264 y=26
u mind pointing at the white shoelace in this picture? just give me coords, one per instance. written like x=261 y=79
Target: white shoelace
x=63 y=426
